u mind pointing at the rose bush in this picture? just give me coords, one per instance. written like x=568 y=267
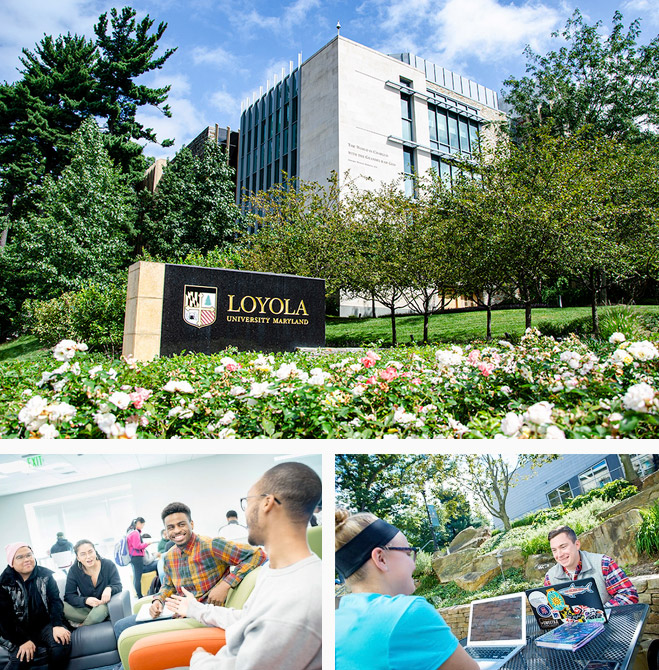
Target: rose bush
x=541 y=388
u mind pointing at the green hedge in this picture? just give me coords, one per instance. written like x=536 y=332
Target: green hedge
x=94 y=315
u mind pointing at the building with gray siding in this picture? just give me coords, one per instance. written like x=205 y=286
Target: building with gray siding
x=568 y=476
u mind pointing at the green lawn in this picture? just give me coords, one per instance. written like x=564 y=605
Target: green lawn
x=26 y=348
x=457 y=327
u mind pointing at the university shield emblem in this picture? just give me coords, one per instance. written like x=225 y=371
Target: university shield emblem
x=199 y=305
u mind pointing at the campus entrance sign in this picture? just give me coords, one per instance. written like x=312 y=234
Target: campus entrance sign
x=174 y=308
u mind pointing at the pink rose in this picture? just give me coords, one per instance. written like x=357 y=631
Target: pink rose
x=486 y=368
x=473 y=357
x=139 y=396
x=388 y=374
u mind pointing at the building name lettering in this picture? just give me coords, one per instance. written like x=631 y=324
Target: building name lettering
x=264 y=305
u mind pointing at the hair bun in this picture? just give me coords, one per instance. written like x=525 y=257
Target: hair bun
x=340 y=517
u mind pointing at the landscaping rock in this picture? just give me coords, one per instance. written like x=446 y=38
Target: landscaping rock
x=470 y=538
x=645 y=498
x=537 y=565
x=472 y=581
x=651 y=481
x=614 y=537
x=448 y=567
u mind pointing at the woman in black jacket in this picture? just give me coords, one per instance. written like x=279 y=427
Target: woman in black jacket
x=90 y=584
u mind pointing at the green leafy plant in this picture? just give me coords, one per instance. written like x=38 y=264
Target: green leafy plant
x=647 y=535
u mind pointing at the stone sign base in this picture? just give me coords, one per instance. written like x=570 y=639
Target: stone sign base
x=175 y=308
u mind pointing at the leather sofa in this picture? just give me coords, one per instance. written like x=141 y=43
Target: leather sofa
x=91 y=646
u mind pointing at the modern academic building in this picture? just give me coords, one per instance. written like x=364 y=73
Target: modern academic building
x=351 y=108
x=566 y=477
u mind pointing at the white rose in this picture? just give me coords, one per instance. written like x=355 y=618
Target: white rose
x=554 y=433
x=617 y=338
x=120 y=399
x=178 y=386
x=639 y=397
x=511 y=424
x=539 y=413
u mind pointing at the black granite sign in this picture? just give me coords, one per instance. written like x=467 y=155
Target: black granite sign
x=208 y=309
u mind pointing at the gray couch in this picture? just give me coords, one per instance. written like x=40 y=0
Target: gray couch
x=92 y=646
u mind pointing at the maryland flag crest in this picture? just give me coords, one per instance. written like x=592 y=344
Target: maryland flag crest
x=199 y=305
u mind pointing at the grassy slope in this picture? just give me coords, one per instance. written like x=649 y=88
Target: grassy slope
x=458 y=327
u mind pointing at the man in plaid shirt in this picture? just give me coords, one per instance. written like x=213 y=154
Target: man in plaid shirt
x=197 y=563
x=573 y=563
x=200 y=564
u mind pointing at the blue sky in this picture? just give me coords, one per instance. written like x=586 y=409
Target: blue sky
x=228 y=49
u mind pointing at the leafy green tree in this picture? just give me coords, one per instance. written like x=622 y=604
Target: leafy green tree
x=490 y=477
x=81 y=231
x=609 y=83
x=39 y=114
x=193 y=208
x=64 y=81
x=394 y=487
x=297 y=227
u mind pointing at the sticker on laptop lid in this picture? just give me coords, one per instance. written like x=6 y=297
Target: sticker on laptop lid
x=537 y=598
x=555 y=600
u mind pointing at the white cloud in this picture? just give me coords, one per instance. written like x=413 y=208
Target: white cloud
x=218 y=57
x=292 y=15
x=647 y=8
x=24 y=22
x=453 y=32
x=228 y=106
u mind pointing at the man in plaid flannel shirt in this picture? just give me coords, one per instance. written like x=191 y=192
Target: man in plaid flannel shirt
x=200 y=564
x=573 y=563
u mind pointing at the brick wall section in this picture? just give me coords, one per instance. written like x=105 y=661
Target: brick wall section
x=648 y=592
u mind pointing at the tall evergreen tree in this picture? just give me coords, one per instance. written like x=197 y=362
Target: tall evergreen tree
x=64 y=81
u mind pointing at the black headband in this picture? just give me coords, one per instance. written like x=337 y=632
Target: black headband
x=353 y=554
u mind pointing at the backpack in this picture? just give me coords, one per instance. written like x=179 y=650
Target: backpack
x=121 y=555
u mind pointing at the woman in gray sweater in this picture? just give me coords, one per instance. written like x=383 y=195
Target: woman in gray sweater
x=90 y=584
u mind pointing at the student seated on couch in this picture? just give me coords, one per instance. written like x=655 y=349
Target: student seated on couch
x=31 y=611
x=90 y=583
x=197 y=563
x=279 y=627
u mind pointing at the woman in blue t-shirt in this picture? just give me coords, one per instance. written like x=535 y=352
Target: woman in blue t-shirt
x=380 y=625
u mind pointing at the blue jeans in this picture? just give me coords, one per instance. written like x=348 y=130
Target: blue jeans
x=139 y=568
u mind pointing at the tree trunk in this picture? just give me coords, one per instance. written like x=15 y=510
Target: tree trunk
x=3 y=237
x=593 y=303
x=426 y=318
x=373 y=304
x=503 y=515
x=489 y=316
x=630 y=474
x=527 y=315
x=393 y=326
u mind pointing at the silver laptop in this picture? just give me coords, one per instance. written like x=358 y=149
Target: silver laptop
x=497 y=629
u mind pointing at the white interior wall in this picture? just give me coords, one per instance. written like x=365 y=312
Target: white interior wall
x=209 y=486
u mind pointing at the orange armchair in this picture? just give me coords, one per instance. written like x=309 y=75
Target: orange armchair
x=174 y=649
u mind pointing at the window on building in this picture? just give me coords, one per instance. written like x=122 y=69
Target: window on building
x=463 y=126
x=453 y=132
x=408 y=169
x=595 y=477
x=560 y=495
x=406 y=111
x=277 y=175
x=644 y=464
x=277 y=145
x=278 y=121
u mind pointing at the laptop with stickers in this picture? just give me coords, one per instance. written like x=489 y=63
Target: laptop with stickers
x=497 y=630
x=578 y=600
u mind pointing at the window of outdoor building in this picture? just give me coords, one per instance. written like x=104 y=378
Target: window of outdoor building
x=406 y=111
x=560 y=495
x=595 y=477
x=644 y=464
x=408 y=169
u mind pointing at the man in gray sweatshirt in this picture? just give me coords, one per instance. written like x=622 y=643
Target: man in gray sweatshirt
x=279 y=627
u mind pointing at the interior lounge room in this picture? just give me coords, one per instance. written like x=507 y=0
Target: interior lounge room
x=49 y=502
